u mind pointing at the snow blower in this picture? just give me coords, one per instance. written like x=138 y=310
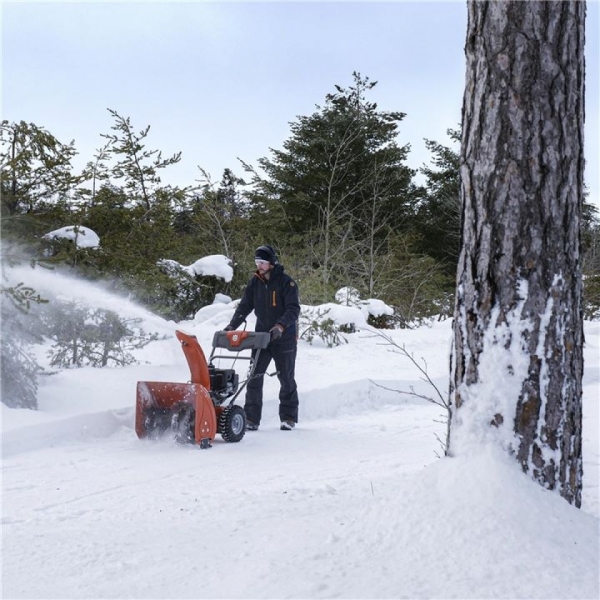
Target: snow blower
x=195 y=412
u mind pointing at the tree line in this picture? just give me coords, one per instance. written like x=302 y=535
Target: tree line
x=338 y=201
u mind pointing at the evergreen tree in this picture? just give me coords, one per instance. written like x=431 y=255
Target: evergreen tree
x=590 y=241
x=340 y=185
x=96 y=172
x=215 y=213
x=35 y=168
x=18 y=367
x=437 y=222
x=137 y=167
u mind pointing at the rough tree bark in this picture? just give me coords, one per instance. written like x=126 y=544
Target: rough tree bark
x=517 y=360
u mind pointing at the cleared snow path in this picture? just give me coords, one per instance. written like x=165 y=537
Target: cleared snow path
x=352 y=504
x=100 y=515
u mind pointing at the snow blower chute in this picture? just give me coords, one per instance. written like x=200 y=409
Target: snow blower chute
x=196 y=411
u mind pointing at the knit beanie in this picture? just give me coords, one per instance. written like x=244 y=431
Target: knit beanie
x=266 y=253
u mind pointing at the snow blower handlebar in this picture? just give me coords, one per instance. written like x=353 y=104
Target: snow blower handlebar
x=238 y=341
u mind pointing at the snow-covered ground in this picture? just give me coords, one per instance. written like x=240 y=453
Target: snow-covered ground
x=354 y=503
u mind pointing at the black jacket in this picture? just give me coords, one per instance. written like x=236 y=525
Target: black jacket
x=274 y=300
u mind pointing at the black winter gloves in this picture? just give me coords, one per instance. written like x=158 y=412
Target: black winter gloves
x=276 y=332
x=228 y=328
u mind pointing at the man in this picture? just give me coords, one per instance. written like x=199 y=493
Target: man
x=273 y=295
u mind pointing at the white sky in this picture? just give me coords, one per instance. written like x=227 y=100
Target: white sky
x=222 y=80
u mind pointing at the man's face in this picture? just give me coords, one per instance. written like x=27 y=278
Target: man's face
x=263 y=266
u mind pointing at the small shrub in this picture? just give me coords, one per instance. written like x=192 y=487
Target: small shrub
x=382 y=321
x=94 y=337
x=318 y=325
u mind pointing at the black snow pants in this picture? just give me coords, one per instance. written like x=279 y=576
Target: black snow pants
x=284 y=355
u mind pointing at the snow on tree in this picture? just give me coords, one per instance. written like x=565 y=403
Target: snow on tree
x=517 y=359
x=195 y=285
x=82 y=237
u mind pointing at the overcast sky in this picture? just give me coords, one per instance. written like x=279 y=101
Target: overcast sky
x=222 y=80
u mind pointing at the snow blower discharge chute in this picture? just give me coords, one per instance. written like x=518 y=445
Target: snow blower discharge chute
x=196 y=411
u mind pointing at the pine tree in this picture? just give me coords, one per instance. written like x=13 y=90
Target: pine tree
x=19 y=369
x=437 y=221
x=35 y=168
x=340 y=184
x=138 y=167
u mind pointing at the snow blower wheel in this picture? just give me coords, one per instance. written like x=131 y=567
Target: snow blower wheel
x=232 y=423
x=196 y=411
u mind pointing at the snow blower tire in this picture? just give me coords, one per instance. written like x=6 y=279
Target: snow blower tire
x=232 y=423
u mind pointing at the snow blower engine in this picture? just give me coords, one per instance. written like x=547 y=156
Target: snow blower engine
x=195 y=412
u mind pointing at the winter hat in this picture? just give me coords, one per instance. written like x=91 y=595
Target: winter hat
x=266 y=253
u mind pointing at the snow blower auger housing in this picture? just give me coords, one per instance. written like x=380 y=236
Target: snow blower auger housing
x=196 y=411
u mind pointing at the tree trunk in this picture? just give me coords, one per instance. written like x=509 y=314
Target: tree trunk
x=517 y=359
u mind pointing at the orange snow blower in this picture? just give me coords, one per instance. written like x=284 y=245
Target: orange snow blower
x=196 y=411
